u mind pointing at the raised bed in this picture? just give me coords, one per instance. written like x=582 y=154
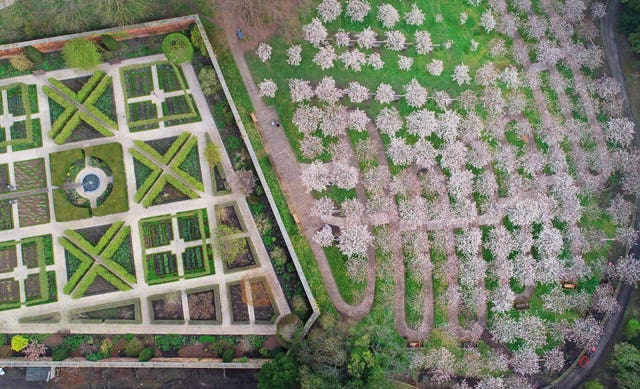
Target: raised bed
x=137 y=81
x=158 y=232
x=30 y=174
x=263 y=307
x=227 y=214
x=8 y=257
x=204 y=305
x=33 y=210
x=6 y=216
x=167 y=307
x=239 y=308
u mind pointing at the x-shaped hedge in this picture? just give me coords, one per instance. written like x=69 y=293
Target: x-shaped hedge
x=97 y=260
x=87 y=97
x=162 y=167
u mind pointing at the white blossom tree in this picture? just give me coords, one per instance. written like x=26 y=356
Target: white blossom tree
x=311 y=146
x=326 y=90
x=442 y=99
x=324 y=236
x=395 y=40
x=315 y=32
x=366 y=38
x=342 y=38
x=385 y=93
x=585 y=332
x=405 y=63
x=335 y=120
x=357 y=10
x=325 y=57
x=343 y=175
x=353 y=59
x=329 y=10
x=415 y=94
x=415 y=17
x=388 y=16
x=423 y=42
x=323 y=207
x=421 y=123
x=620 y=131
x=389 y=121
x=604 y=299
x=357 y=92
x=354 y=240
x=294 y=55
x=463 y=17
x=487 y=21
x=435 y=67
x=358 y=120
x=268 y=88
x=307 y=118
x=300 y=90
x=486 y=75
x=375 y=61
x=525 y=362
x=400 y=152
x=598 y=10
x=511 y=77
x=626 y=269
x=315 y=176
x=461 y=74
x=554 y=360
x=621 y=210
x=264 y=52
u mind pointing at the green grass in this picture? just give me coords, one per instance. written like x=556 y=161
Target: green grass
x=117 y=201
x=346 y=286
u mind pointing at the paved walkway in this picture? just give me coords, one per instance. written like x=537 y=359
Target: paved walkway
x=141 y=290
x=299 y=200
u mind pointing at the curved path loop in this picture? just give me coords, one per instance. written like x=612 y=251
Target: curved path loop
x=299 y=200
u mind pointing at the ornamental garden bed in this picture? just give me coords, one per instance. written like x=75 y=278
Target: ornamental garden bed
x=33 y=210
x=4 y=177
x=30 y=174
x=6 y=217
x=9 y=294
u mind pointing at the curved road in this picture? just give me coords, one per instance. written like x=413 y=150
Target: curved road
x=576 y=375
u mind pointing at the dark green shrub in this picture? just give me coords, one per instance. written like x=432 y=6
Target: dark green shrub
x=227 y=355
x=97 y=356
x=33 y=54
x=197 y=41
x=207 y=339
x=146 y=354
x=109 y=42
x=169 y=342
x=60 y=354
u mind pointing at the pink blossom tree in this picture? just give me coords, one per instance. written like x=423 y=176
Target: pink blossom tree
x=326 y=90
x=423 y=42
x=329 y=10
x=294 y=55
x=324 y=236
x=366 y=38
x=461 y=74
x=389 y=121
x=300 y=90
x=325 y=57
x=315 y=176
x=358 y=120
x=353 y=59
x=267 y=88
x=415 y=17
x=264 y=52
x=385 y=93
x=435 y=67
x=395 y=40
x=554 y=360
x=315 y=32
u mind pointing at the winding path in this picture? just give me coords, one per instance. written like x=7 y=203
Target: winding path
x=299 y=200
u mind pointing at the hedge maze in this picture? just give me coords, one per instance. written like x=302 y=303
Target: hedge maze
x=86 y=261
x=86 y=98
x=177 y=167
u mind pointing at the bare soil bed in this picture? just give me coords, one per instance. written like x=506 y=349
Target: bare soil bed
x=165 y=309
x=202 y=305
x=239 y=308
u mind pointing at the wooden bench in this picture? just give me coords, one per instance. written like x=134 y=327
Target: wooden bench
x=253 y=117
x=568 y=285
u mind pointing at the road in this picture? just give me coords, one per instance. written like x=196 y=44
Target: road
x=578 y=375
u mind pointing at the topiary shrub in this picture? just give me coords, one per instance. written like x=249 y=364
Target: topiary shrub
x=61 y=354
x=33 y=54
x=227 y=355
x=81 y=53
x=146 y=354
x=109 y=42
x=177 y=48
